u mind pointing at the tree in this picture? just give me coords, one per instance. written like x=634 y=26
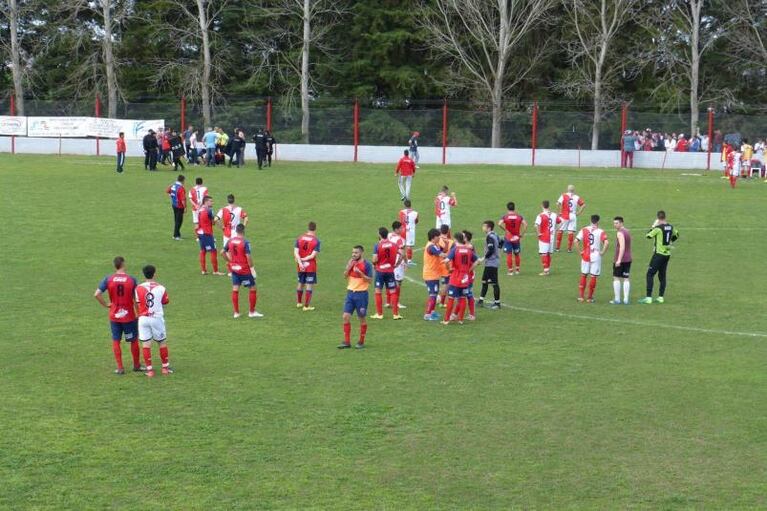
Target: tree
x=748 y=33
x=484 y=43
x=594 y=26
x=17 y=14
x=683 y=31
x=294 y=29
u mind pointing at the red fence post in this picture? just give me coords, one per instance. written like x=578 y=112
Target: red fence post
x=710 y=136
x=444 y=131
x=356 y=128
x=624 y=122
x=13 y=112
x=534 y=141
x=183 y=114
x=98 y=114
x=269 y=114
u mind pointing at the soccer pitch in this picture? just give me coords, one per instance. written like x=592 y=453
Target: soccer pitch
x=548 y=403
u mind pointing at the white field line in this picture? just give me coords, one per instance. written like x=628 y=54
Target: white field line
x=585 y=317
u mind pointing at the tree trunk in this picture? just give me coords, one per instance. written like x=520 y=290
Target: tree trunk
x=18 y=85
x=205 y=81
x=695 y=7
x=597 y=112
x=497 y=102
x=109 y=60
x=500 y=73
x=305 y=72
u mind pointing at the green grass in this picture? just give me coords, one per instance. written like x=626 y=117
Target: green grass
x=547 y=404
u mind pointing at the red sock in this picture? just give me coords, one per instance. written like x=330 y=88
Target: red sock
x=394 y=300
x=548 y=261
x=592 y=286
x=509 y=261
x=379 y=304
x=136 y=354
x=570 y=239
x=471 y=306
x=236 y=301
x=461 y=308
x=517 y=259
x=164 y=355
x=442 y=299
x=308 y=298
x=449 y=310
x=347 y=332
x=409 y=253
x=299 y=295
x=202 y=261
x=118 y=351
x=582 y=285
x=252 y=297
x=543 y=262
x=559 y=239
x=431 y=303
x=363 y=331
x=732 y=181
x=214 y=261
x=148 y=358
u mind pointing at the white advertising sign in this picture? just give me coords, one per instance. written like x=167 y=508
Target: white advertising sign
x=13 y=125
x=81 y=127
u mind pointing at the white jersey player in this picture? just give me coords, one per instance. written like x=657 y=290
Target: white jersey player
x=230 y=217
x=593 y=243
x=570 y=206
x=151 y=298
x=443 y=203
x=408 y=217
x=399 y=270
x=196 y=194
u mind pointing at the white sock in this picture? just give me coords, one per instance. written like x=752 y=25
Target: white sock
x=617 y=290
x=626 y=291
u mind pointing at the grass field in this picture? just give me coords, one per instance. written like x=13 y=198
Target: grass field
x=546 y=404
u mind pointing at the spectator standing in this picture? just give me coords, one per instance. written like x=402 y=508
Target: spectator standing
x=718 y=140
x=694 y=146
x=193 y=154
x=271 y=145
x=627 y=157
x=681 y=144
x=413 y=147
x=209 y=139
x=165 y=146
x=121 y=149
x=150 y=150
x=704 y=141
x=241 y=156
x=188 y=145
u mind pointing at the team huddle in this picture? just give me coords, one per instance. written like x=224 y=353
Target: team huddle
x=450 y=259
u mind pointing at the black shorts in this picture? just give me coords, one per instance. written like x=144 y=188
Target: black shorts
x=490 y=275
x=622 y=271
x=658 y=262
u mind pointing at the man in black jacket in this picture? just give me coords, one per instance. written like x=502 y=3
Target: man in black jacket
x=237 y=143
x=271 y=144
x=260 y=139
x=150 y=150
x=176 y=150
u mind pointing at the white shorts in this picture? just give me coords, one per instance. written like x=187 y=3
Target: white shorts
x=591 y=267
x=545 y=248
x=150 y=328
x=443 y=221
x=399 y=273
x=410 y=238
x=568 y=225
x=194 y=216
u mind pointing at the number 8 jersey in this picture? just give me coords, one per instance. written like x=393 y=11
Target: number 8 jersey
x=151 y=297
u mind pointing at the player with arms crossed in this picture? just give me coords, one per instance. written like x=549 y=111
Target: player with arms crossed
x=433 y=266
x=386 y=257
x=545 y=223
x=491 y=260
x=570 y=206
x=663 y=235
x=593 y=243
x=622 y=262
x=358 y=273
x=443 y=203
x=151 y=298
x=515 y=227
x=204 y=230
x=196 y=194
x=122 y=312
x=238 y=254
x=305 y=253
x=408 y=217
x=462 y=261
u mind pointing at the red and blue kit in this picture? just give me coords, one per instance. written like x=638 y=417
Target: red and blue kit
x=386 y=253
x=306 y=245
x=462 y=259
x=122 y=312
x=238 y=249
x=205 y=229
x=512 y=222
x=177 y=195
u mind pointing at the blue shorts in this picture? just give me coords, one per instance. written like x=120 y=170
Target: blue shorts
x=469 y=291
x=432 y=286
x=207 y=243
x=356 y=300
x=457 y=292
x=445 y=280
x=307 y=277
x=129 y=329
x=511 y=247
x=243 y=280
x=385 y=279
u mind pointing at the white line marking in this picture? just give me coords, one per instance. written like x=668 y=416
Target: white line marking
x=620 y=321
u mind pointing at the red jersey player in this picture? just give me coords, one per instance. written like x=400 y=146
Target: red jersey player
x=122 y=312
x=395 y=236
x=196 y=194
x=462 y=261
x=305 y=253
x=386 y=257
x=204 y=231
x=545 y=223
x=593 y=242
x=237 y=253
x=570 y=206
x=230 y=217
x=358 y=273
x=408 y=217
x=515 y=226
x=405 y=171
x=151 y=298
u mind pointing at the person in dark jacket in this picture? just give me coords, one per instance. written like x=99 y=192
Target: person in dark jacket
x=150 y=150
x=176 y=150
x=237 y=143
x=271 y=145
x=261 y=149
